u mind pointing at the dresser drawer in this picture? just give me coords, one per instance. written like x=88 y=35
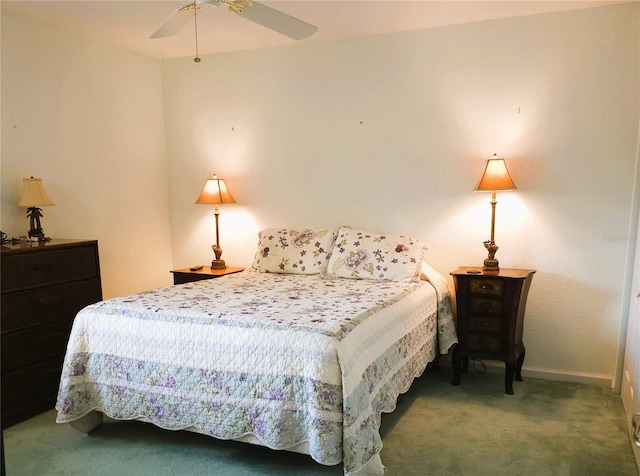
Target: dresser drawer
x=486 y=286
x=29 y=270
x=28 y=347
x=484 y=343
x=479 y=305
x=485 y=325
x=40 y=306
x=29 y=389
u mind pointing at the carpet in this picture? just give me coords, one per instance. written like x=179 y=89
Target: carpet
x=546 y=428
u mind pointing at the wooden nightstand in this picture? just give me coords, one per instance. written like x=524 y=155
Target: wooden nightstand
x=185 y=275
x=490 y=317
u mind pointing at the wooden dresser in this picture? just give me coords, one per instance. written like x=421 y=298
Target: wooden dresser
x=490 y=319
x=43 y=286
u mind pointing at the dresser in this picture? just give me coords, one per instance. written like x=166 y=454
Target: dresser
x=490 y=319
x=188 y=275
x=43 y=286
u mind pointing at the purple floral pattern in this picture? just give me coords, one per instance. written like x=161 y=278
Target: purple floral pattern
x=239 y=356
x=282 y=250
x=362 y=255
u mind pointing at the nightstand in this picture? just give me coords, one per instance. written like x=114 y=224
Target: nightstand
x=185 y=275
x=490 y=318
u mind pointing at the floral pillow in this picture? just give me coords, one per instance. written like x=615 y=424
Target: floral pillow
x=281 y=250
x=362 y=255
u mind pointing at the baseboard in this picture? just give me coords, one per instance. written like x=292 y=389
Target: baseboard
x=598 y=380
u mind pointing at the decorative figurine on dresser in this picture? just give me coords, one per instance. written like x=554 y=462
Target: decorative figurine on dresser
x=490 y=319
x=44 y=284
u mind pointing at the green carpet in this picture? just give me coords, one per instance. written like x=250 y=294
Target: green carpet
x=546 y=428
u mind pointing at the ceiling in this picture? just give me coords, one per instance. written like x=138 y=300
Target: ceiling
x=129 y=23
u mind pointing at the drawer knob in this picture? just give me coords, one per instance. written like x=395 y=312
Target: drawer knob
x=485 y=306
x=486 y=286
x=47 y=302
x=485 y=324
x=54 y=335
x=42 y=266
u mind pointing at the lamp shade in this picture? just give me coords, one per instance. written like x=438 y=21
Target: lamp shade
x=214 y=192
x=33 y=194
x=495 y=176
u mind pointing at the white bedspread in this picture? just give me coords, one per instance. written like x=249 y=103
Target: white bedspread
x=282 y=360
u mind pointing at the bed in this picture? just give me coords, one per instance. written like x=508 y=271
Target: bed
x=303 y=351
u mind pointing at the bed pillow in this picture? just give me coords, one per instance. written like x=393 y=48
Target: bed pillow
x=361 y=255
x=282 y=250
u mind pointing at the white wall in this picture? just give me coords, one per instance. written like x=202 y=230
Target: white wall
x=390 y=133
x=385 y=133
x=87 y=118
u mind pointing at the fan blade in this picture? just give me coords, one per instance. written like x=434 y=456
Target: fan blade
x=179 y=18
x=276 y=21
x=172 y=25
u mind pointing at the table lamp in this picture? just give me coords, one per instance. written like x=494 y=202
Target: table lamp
x=215 y=192
x=495 y=177
x=33 y=197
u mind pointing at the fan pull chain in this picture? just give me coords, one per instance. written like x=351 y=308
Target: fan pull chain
x=195 y=24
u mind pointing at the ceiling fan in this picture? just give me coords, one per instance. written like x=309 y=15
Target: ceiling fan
x=254 y=11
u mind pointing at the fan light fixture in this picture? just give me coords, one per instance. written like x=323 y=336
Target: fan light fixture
x=33 y=197
x=215 y=192
x=495 y=177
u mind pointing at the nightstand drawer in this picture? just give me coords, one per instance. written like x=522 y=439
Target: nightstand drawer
x=485 y=306
x=179 y=278
x=485 y=325
x=484 y=343
x=187 y=275
x=486 y=286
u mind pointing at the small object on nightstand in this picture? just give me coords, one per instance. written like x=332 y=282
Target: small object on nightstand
x=490 y=319
x=189 y=275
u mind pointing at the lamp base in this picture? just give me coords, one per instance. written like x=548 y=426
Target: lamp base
x=491 y=263
x=218 y=264
x=39 y=235
x=491 y=266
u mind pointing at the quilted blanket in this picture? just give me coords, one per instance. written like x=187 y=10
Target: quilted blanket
x=287 y=361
